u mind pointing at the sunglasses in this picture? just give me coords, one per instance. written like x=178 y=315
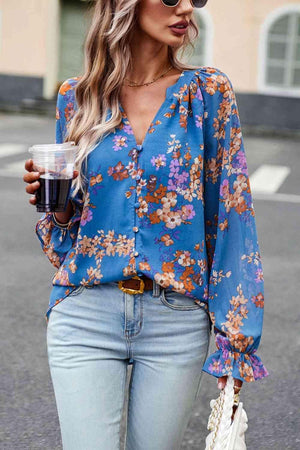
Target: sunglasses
x=195 y=3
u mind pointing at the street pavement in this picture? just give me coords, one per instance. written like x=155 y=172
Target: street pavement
x=28 y=412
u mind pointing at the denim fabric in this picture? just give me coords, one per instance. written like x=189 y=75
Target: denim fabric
x=94 y=334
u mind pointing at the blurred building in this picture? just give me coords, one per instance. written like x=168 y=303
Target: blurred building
x=256 y=43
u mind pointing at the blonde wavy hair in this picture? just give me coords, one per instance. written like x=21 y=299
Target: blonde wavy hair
x=107 y=57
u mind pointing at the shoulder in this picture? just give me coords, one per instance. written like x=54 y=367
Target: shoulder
x=212 y=80
x=66 y=101
x=68 y=86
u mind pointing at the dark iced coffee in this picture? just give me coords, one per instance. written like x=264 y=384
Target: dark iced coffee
x=53 y=193
x=55 y=163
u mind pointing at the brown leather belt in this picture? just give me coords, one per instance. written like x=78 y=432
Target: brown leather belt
x=136 y=285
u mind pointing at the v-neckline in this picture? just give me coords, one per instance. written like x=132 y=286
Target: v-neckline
x=169 y=91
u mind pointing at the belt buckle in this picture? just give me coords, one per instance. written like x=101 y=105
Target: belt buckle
x=132 y=291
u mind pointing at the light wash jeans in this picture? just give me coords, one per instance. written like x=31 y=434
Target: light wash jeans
x=94 y=334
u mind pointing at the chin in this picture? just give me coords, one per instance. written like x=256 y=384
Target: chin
x=175 y=42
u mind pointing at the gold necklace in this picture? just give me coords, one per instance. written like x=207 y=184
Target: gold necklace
x=150 y=82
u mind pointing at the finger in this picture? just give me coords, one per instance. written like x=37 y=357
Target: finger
x=237 y=382
x=75 y=174
x=30 y=177
x=237 y=385
x=29 y=165
x=32 y=200
x=222 y=382
x=32 y=187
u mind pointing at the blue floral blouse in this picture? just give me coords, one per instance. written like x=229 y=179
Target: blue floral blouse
x=177 y=208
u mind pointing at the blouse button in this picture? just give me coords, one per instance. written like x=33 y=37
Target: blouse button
x=135 y=229
x=137 y=204
x=138 y=177
x=136 y=253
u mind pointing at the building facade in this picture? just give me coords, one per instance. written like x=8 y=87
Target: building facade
x=256 y=43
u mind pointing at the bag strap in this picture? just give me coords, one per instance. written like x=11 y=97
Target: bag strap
x=224 y=426
x=220 y=419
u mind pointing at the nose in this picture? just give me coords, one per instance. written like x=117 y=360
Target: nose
x=186 y=5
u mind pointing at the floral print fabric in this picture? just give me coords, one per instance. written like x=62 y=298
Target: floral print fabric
x=177 y=208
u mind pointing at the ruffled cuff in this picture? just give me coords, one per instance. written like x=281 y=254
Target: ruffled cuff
x=57 y=239
x=244 y=366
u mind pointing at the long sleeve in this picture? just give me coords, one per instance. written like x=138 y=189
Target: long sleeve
x=236 y=286
x=56 y=240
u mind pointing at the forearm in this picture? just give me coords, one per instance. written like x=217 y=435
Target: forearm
x=64 y=217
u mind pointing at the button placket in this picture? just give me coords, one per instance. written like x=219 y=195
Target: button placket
x=135 y=228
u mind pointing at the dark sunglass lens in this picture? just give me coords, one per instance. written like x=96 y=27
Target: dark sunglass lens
x=196 y=3
x=170 y=2
x=199 y=3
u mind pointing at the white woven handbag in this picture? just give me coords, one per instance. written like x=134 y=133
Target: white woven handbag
x=226 y=434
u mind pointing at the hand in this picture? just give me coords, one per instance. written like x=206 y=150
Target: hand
x=223 y=380
x=222 y=383
x=31 y=178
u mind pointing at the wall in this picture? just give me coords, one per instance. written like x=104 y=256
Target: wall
x=237 y=27
x=23 y=37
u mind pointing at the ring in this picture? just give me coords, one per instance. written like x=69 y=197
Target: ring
x=236 y=398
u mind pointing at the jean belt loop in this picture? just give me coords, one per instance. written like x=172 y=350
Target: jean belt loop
x=156 y=289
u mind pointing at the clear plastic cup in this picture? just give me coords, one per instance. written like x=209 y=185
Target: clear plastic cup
x=55 y=163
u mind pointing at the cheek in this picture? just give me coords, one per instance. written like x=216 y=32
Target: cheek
x=153 y=17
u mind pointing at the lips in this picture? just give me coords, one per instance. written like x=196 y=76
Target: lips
x=184 y=23
x=180 y=27
x=179 y=31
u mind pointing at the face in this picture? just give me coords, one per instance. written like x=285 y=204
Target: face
x=155 y=19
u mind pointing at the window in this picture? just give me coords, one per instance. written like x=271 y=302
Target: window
x=281 y=51
x=283 y=57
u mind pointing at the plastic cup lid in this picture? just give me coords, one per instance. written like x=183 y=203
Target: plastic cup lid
x=53 y=147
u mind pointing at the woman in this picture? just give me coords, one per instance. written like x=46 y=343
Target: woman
x=158 y=242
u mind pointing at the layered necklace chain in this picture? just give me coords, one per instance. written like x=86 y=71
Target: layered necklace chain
x=134 y=84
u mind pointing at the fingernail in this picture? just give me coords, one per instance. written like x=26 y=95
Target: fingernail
x=220 y=384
